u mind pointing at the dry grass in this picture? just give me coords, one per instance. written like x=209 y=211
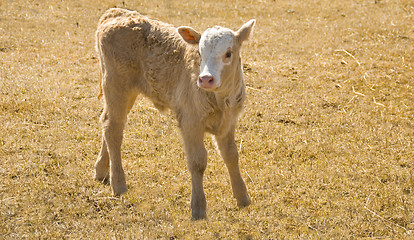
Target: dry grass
x=326 y=140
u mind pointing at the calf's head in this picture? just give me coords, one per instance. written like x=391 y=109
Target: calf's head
x=219 y=50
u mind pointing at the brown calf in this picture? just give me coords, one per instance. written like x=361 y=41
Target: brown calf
x=198 y=77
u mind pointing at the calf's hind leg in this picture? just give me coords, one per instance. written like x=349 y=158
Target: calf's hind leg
x=109 y=163
x=102 y=164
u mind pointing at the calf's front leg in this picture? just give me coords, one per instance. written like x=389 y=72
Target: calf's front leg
x=228 y=150
x=197 y=163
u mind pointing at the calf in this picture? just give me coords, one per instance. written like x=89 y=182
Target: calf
x=199 y=77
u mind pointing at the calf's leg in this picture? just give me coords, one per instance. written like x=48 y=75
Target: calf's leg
x=196 y=162
x=102 y=163
x=228 y=150
x=117 y=105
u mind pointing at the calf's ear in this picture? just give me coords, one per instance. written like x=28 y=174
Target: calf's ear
x=189 y=35
x=244 y=32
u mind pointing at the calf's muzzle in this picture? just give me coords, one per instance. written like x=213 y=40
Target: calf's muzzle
x=207 y=82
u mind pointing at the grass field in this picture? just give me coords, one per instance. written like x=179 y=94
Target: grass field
x=326 y=139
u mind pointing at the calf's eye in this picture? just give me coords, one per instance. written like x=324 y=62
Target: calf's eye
x=228 y=54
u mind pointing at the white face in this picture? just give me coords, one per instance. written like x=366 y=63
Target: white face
x=216 y=52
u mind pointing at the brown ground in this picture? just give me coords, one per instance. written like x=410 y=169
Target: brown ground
x=326 y=139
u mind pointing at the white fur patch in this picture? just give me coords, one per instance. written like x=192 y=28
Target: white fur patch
x=214 y=44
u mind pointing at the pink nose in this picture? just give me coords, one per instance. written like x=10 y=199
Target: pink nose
x=206 y=81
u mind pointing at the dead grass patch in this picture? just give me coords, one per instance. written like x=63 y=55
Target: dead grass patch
x=326 y=139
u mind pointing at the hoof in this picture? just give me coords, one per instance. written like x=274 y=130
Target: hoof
x=102 y=179
x=101 y=174
x=244 y=202
x=117 y=191
x=198 y=216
